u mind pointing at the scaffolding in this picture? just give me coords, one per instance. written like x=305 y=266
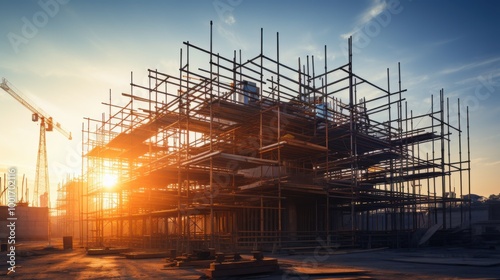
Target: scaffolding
x=68 y=211
x=237 y=154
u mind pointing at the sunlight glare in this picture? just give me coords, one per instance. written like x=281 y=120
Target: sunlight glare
x=109 y=180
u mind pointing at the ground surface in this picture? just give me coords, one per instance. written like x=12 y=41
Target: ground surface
x=35 y=261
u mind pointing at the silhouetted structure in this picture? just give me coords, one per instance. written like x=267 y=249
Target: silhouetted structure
x=255 y=153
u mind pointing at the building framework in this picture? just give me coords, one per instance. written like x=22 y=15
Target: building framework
x=68 y=210
x=236 y=154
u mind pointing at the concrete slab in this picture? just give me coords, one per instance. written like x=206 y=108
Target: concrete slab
x=75 y=264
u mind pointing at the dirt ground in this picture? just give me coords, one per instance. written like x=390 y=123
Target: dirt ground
x=36 y=261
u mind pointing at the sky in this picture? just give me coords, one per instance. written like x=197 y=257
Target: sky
x=67 y=55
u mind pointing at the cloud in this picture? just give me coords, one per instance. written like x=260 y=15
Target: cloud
x=230 y=20
x=485 y=161
x=377 y=7
x=231 y=37
x=306 y=45
x=442 y=42
x=469 y=66
x=488 y=75
x=479 y=160
x=493 y=163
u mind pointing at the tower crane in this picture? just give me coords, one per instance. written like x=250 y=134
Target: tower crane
x=46 y=124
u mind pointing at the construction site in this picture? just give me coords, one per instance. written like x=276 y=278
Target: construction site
x=245 y=154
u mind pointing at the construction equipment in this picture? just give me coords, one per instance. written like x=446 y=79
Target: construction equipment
x=46 y=124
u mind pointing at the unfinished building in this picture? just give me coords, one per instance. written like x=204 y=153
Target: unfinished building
x=68 y=209
x=252 y=153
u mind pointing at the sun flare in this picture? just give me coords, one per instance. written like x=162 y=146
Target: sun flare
x=109 y=180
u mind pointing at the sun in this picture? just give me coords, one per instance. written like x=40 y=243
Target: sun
x=109 y=180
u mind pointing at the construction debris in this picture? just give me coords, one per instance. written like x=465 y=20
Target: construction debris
x=257 y=265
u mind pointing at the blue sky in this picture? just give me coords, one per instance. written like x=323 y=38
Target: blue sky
x=82 y=49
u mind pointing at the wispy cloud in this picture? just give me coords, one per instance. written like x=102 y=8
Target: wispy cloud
x=442 y=42
x=376 y=8
x=479 y=160
x=231 y=37
x=416 y=80
x=230 y=20
x=492 y=76
x=305 y=45
x=493 y=163
x=485 y=161
x=469 y=66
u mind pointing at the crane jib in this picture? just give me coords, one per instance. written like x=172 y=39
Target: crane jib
x=37 y=113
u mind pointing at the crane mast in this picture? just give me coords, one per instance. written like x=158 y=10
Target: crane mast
x=42 y=187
